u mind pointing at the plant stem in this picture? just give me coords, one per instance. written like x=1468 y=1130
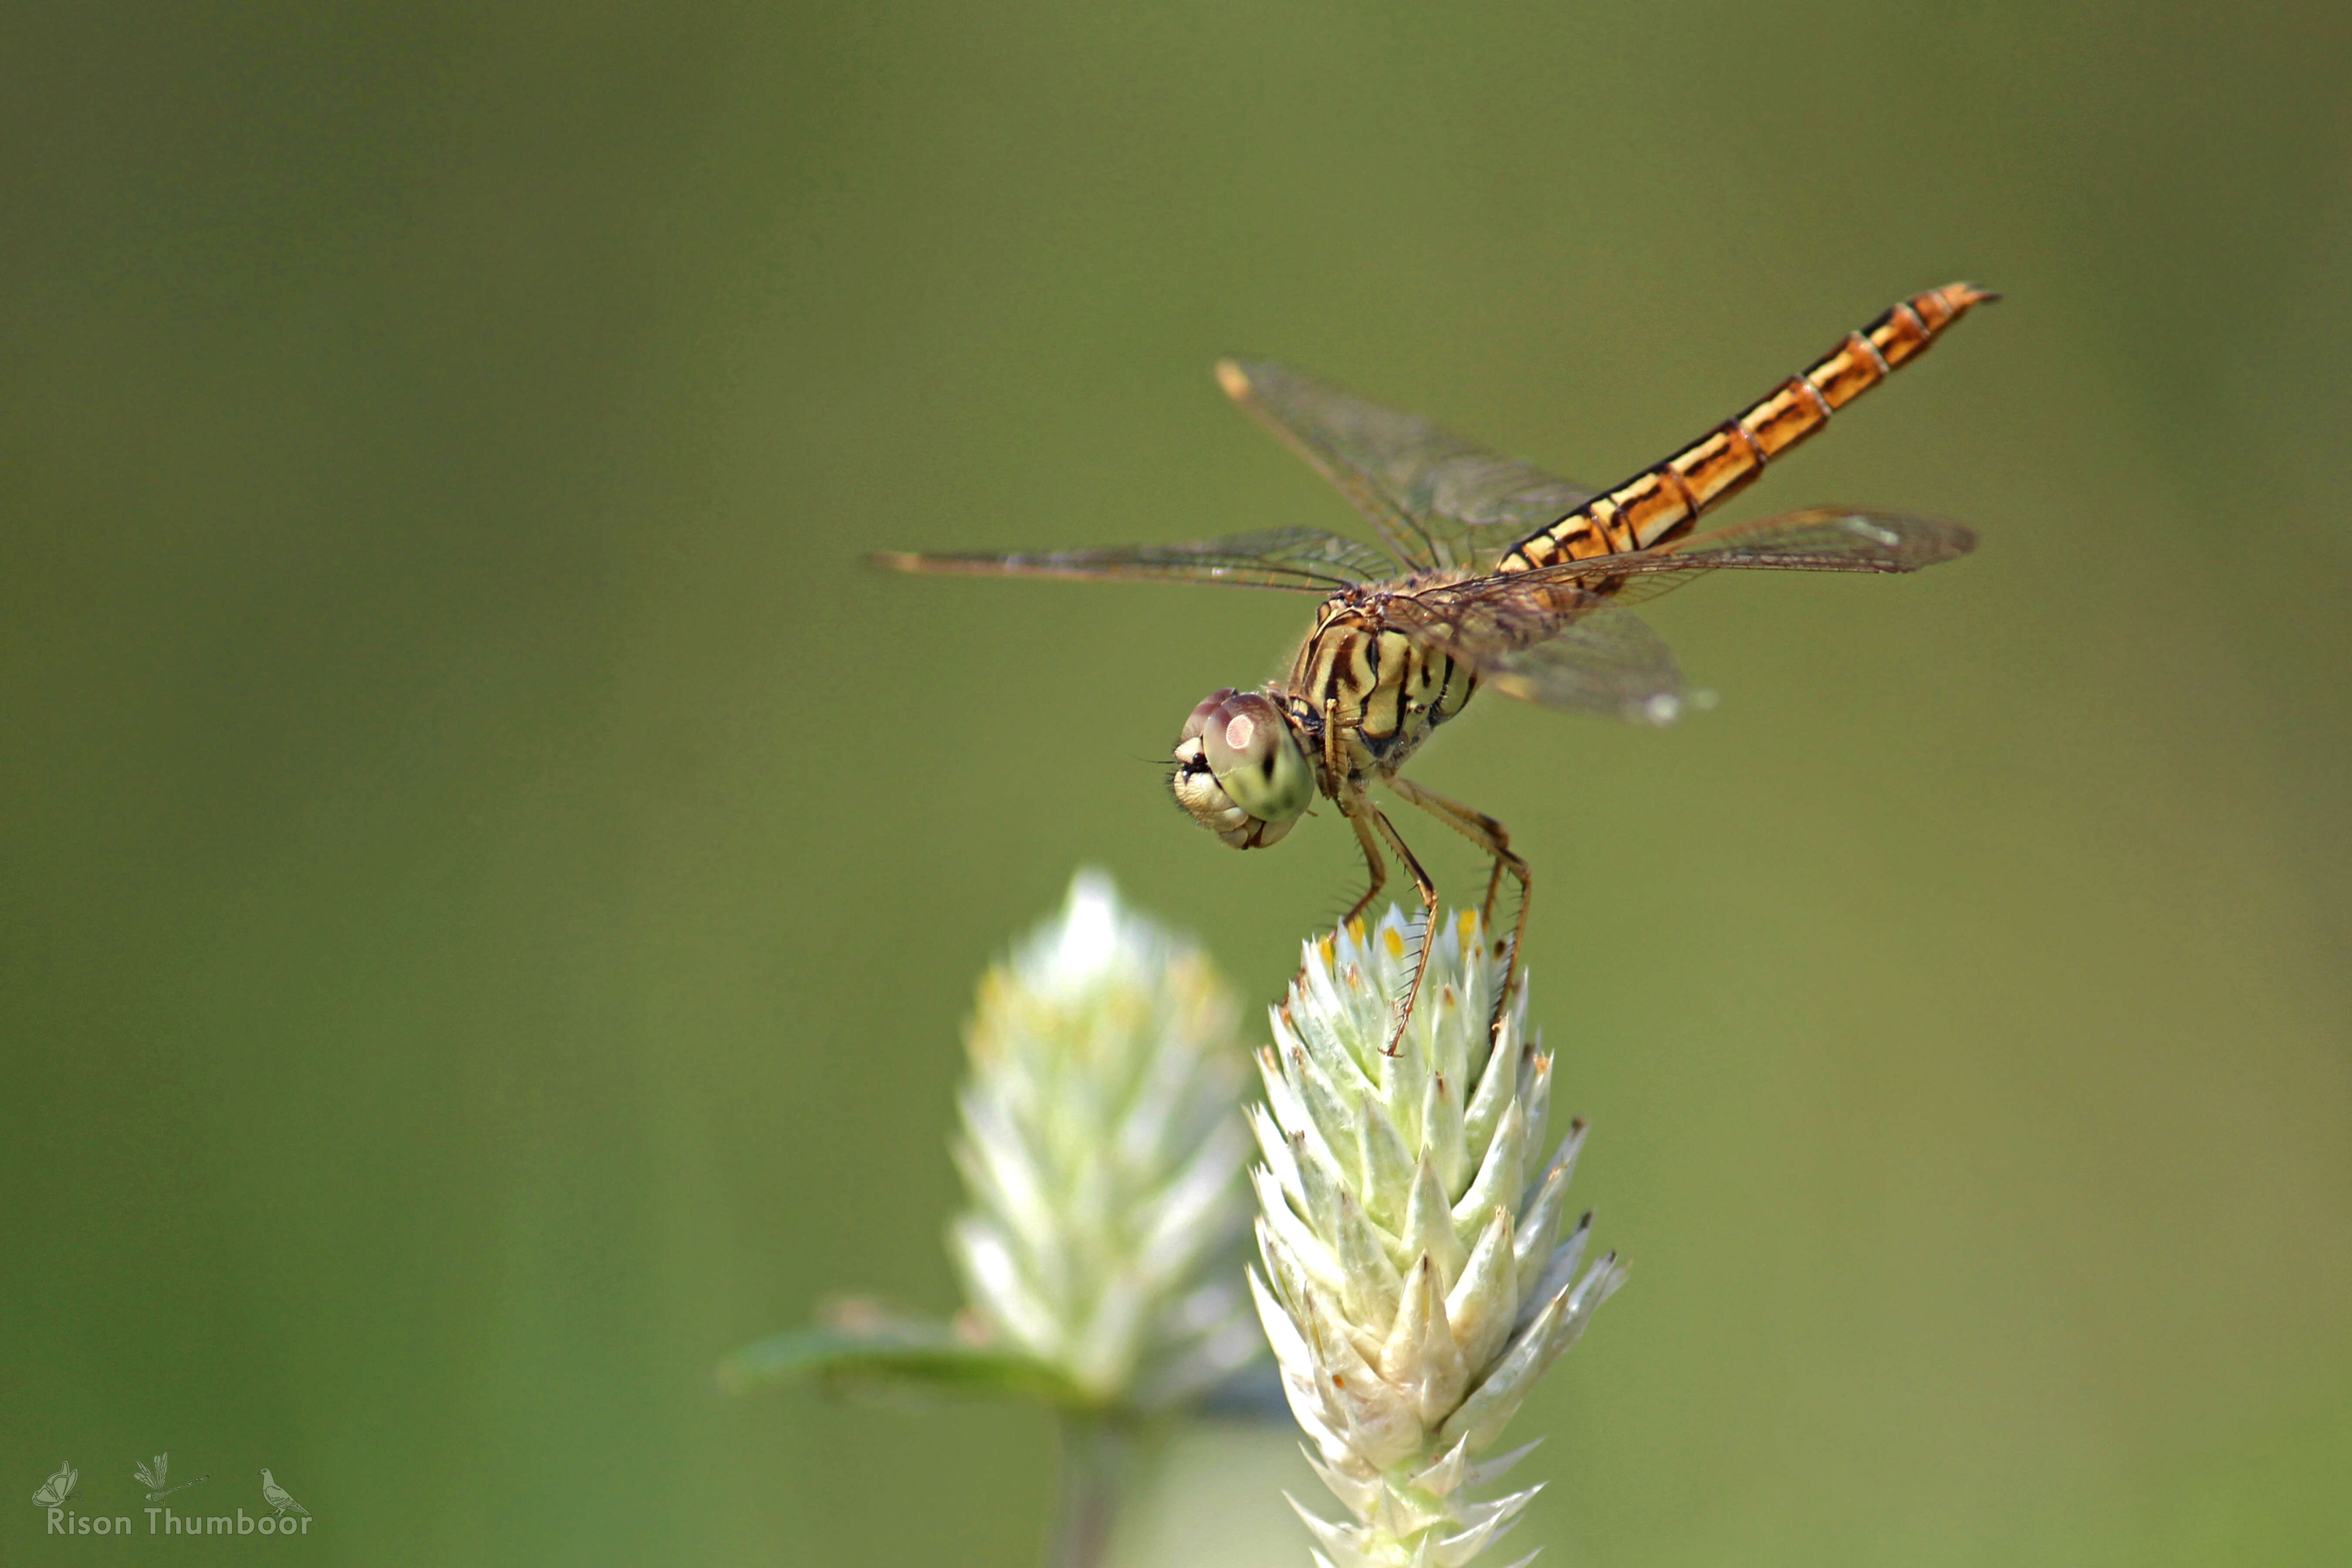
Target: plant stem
x=1097 y=1453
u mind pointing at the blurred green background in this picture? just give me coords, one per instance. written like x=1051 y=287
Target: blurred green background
x=492 y=884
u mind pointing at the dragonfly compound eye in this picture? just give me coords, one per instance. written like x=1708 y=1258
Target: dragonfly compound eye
x=1239 y=770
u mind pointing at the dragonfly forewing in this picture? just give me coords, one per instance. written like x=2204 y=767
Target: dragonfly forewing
x=1442 y=502
x=1305 y=560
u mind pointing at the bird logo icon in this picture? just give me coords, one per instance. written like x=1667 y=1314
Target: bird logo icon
x=279 y=1498
x=58 y=1488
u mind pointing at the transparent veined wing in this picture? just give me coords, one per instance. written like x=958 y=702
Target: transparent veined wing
x=1440 y=502
x=1818 y=539
x=1553 y=644
x=1559 y=634
x=1303 y=559
x=1606 y=661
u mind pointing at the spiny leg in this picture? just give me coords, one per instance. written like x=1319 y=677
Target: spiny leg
x=1483 y=831
x=1428 y=922
x=1373 y=861
x=1331 y=768
x=1496 y=841
x=1352 y=805
x=1355 y=808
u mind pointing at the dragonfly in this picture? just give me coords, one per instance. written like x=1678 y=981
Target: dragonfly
x=1492 y=573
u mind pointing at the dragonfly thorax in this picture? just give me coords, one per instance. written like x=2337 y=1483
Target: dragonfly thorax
x=1240 y=770
x=1368 y=691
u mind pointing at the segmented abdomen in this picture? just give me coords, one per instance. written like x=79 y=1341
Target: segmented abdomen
x=1660 y=504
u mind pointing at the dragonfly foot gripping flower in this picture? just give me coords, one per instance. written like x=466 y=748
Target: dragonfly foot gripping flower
x=1417 y=1281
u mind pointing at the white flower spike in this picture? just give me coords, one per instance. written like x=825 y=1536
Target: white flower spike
x=1104 y=1156
x=1416 y=1284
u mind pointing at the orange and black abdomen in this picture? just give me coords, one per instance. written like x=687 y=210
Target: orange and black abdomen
x=1660 y=504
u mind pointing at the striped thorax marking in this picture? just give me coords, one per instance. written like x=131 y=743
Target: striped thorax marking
x=1382 y=690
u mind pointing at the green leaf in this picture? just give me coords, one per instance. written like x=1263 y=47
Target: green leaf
x=898 y=1354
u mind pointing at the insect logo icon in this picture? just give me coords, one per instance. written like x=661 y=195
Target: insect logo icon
x=151 y=1476
x=58 y=1488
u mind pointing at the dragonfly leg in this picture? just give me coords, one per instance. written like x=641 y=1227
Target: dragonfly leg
x=1331 y=769
x=1373 y=861
x=1428 y=922
x=1353 y=805
x=1496 y=841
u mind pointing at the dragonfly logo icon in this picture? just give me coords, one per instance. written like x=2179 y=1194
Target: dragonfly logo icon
x=152 y=1476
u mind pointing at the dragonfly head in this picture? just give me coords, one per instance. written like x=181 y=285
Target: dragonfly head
x=1239 y=770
